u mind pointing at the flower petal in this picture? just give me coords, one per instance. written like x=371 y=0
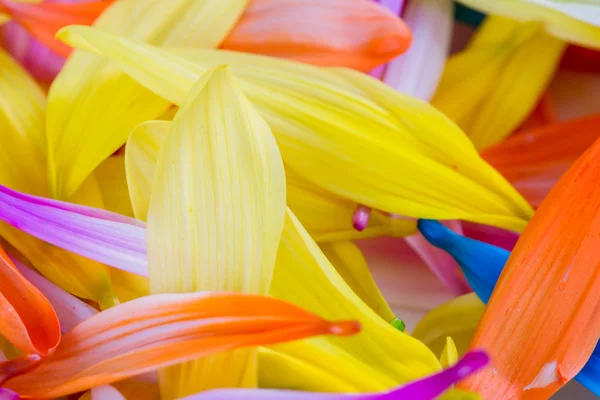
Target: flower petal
x=574 y=94
x=497 y=79
x=553 y=321
x=358 y=34
x=424 y=389
x=332 y=129
x=216 y=213
x=161 y=330
x=418 y=71
x=572 y=20
x=449 y=355
x=113 y=185
x=86 y=121
x=28 y=320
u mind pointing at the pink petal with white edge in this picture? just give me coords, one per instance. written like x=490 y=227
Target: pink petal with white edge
x=69 y=309
x=423 y=389
x=409 y=287
x=107 y=237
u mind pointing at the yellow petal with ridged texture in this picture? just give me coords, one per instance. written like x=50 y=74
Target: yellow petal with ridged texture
x=379 y=358
x=457 y=318
x=499 y=79
x=449 y=355
x=342 y=130
x=87 y=121
x=23 y=150
x=113 y=185
x=350 y=263
x=571 y=20
x=216 y=215
x=141 y=153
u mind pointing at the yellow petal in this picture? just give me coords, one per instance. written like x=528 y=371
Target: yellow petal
x=449 y=355
x=216 y=215
x=23 y=150
x=379 y=358
x=113 y=185
x=349 y=262
x=499 y=79
x=342 y=130
x=457 y=318
x=572 y=20
x=92 y=106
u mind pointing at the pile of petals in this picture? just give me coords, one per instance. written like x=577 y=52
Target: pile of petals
x=299 y=199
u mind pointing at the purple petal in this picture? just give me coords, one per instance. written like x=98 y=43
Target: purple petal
x=107 y=237
x=69 y=309
x=439 y=262
x=424 y=389
x=6 y=394
x=418 y=71
x=396 y=7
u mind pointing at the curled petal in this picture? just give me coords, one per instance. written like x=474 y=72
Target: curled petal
x=357 y=34
x=160 y=330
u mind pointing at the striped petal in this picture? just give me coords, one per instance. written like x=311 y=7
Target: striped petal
x=103 y=236
x=497 y=79
x=28 y=320
x=572 y=20
x=216 y=214
x=86 y=121
x=324 y=140
x=425 y=389
x=161 y=330
x=418 y=71
x=556 y=314
x=358 y=34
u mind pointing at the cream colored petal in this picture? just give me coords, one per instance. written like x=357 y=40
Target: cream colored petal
x=216 y=215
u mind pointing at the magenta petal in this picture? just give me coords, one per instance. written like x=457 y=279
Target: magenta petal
x=69 y=309
x=107 y=237
x=6 y=394
x=492 y=235
x=439 y=262
x=418 y=71
x=424 y=389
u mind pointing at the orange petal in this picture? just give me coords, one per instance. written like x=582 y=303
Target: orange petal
x=43 y=20
x=533 y=160
x=28 y=320
x=358 y=34
x=542 y=322
x=161 y=330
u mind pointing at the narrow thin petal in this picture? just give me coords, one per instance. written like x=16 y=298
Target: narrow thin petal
x=425 y=389
x=404 y=133
x=573 y=20
x=449 y=355
x=358 y=34
x=418 y=71
x=86 y=121
x=553 y=323
x=216 y=214
x=28 y=319
x=498 y=79
x=161 y=330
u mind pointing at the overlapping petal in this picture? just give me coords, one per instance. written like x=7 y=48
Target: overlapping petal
x=319 y=118
x=162 y=330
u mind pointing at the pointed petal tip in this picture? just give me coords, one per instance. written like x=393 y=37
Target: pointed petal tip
x=343 y=328
x=436 y=233
x=361 y=217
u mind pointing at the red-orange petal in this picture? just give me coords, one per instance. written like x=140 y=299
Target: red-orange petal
x=533 y=160
x=161 y=330
x=28 y=320
x=43 y=20
x=358 y=34
x=542 y=322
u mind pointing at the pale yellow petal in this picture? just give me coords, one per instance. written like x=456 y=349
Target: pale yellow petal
x=379 y=358
x=342 y=130
x=92 y=106
x=572 y=20
x=349 y=262
x=216 y=215
x=113 y=185
x=491 y=87
x=449 y=355
x=457 y=318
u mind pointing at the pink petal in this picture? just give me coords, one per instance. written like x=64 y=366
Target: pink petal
x=106 y=392
x=103 y=236
x=69 y=309
x=489 y=234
